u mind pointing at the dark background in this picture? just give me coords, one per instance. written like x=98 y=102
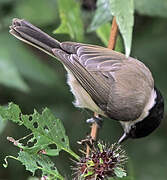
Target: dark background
x=33 y=80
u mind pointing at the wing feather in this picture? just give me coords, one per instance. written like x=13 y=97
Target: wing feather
x=92 y=66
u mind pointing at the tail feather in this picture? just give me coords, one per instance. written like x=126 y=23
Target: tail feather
x=30 y=34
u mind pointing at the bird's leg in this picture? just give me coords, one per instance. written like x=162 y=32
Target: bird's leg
x=90 y=140
x=96 y=119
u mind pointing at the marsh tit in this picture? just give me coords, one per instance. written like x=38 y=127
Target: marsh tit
x=103 y=80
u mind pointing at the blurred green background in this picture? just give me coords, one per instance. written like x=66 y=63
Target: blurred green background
x=33 y=80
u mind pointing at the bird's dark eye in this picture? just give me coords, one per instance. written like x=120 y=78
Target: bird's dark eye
x=133 y=126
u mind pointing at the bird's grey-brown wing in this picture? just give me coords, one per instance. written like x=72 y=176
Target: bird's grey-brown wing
x=97 y=60
x=116 y=83
x=93 y=67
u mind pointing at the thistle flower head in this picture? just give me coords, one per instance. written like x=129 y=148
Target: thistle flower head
x=104 y=161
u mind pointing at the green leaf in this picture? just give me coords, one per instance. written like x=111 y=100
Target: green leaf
x=119 y=44
x=47 y=131
x=103 y=32
x=2 y=125
x=71 y=22
x=123 y=11
x=38 y=12
x=102 y=15
x=9 y=75
x=34 y=162
x=119 y=172
x=12 y=112
x=151 y=8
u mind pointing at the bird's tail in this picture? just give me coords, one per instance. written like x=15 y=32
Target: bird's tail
x=32 y=35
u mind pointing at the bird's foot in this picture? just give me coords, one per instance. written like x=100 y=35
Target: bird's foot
x=98 y=120
x=88 y=141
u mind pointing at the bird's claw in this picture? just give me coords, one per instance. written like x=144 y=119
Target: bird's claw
x=97 y=120
x=89 y=141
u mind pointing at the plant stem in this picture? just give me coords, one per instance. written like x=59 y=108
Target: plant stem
x=93 y=134
x=113 y=34
x=72 y=153
x=111 y=45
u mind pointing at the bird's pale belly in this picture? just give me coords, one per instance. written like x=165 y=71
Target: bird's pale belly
x=82 y=98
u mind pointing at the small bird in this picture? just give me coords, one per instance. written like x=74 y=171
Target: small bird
x=103 y=80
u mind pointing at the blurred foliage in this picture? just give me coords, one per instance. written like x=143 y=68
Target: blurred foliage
x=103 y=32
x=102 y=15
x=123 y=11
x=71 y=22
x=31 y=79
x=9 y=74
x=40 y=7
x=152 y=8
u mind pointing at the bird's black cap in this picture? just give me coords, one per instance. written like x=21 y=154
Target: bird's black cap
x=152 y=121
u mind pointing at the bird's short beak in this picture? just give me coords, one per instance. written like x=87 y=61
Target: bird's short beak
x=124 y=137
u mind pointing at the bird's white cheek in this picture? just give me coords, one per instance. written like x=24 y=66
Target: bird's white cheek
x=151 y=102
